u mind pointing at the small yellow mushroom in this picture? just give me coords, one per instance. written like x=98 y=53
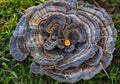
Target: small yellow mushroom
x=67 y=42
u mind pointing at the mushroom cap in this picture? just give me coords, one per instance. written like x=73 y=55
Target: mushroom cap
x=68 y=42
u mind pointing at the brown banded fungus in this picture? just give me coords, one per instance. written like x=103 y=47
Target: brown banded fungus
x=68 y=41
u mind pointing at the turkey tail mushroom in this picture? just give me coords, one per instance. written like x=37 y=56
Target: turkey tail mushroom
x=18 y=47
x=69 y=41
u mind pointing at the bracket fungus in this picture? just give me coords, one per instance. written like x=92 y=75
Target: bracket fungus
x=68 y=41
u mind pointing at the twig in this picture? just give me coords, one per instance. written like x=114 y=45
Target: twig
x=111 y=10
x=104 y=70
x=118 y=31
x=96 y=3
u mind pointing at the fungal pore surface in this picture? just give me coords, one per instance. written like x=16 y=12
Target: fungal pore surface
x=69 y=41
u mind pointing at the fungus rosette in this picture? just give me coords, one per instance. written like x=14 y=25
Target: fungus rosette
x=68 y=42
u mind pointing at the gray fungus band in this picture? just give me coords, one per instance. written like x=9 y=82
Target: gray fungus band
x=68 y=40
